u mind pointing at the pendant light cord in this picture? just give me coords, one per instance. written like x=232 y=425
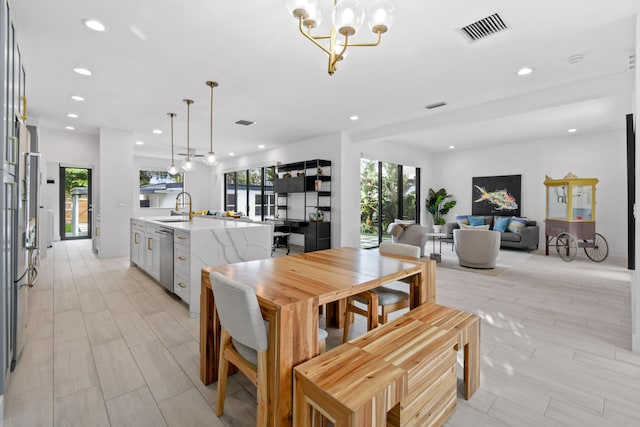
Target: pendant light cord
x=211 y=123
x=172 y=115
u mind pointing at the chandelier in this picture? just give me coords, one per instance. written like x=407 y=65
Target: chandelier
x=172 y=167
x=346 y=18
x=188 y=164
x=210 y=157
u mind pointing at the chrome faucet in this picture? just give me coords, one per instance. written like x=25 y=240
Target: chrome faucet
x=190 y=205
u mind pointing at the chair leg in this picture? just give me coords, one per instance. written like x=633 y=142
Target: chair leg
x=223 y=368
x=372 y=306
x=347 y=321
x=263 y=392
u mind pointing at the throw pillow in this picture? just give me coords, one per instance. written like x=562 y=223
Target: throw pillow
x=475 y=227
x=516 y=224
x=462 y=219
x=501 y=224
x=476 y=220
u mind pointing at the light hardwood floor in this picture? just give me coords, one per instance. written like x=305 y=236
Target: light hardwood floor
x=107 y=346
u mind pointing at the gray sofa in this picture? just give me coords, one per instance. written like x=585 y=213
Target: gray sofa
x=527 y=239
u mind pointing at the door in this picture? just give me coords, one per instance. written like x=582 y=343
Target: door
x=75 y=203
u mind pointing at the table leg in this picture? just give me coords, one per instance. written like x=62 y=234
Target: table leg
x=335 y=313
x=423 y=285
x=209 y=335
x=472 y=359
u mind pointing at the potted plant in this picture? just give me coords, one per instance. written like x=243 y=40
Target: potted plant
x=437 y=204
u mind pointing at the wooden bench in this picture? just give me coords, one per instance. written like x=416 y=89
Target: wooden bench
x=351 y=384
x=467 y=327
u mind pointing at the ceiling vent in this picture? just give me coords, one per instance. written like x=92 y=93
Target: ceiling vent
x=484 y=28
x=436 y=105
x=632 y=62
x=245 y=123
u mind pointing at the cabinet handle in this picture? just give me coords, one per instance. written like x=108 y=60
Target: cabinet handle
x=149 y=243
x=182 y=238
x=182 y=285
x=181 y=258
x=24 y=107
x=135 y=238
x=97 y=231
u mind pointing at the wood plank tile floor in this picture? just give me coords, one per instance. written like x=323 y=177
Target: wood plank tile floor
x=107 y=346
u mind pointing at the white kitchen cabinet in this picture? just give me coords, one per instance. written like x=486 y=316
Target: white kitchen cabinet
x=145 y=249
x=182 y=265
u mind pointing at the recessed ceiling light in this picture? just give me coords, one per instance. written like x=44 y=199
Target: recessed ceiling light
x=261 y=146
x=232 y=154
x=451 y=147
x=157 y=131
x=139 y=142
x=354 y=118
x=77 y=98
x=525 y=71
x=572 y=130
x=82 y=71
x=94 y=25
x=69 y=127
x=72 y=115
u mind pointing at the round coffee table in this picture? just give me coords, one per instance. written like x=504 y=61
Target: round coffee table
x=436 y=236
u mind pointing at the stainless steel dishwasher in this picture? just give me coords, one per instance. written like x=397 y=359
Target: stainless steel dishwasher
x=165 y=238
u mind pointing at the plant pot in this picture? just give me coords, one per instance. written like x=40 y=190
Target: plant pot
x=437 y=228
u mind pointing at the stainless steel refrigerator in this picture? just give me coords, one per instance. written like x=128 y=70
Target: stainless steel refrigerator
x=26 y=237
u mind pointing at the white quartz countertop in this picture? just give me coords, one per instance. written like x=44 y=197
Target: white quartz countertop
x=183 y=223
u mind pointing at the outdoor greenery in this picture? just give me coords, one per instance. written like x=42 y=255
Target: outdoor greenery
x=153 y=177
x=437 y=205
x=75 y=178
x=369 y=195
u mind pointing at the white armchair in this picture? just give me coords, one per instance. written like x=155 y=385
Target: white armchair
x=413 y=234
x=476 y=248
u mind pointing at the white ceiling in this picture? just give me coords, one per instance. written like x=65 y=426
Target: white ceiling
x=270 y=74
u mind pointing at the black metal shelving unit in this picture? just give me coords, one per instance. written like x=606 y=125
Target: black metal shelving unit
x=312 y=178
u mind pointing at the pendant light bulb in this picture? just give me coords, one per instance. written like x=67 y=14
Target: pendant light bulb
x=210 y=158
x=188 y=164
x=172 y=167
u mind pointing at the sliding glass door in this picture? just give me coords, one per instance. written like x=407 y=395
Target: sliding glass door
x=388 y=191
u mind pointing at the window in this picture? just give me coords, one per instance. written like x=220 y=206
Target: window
x=250 y=192
x=158 y=189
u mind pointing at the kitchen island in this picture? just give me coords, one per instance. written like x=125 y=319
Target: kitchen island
x=196 y=244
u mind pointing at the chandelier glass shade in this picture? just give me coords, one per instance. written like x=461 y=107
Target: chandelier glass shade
x=188 y=164
x=172 y=167
x=347 y=16
x=210 y=158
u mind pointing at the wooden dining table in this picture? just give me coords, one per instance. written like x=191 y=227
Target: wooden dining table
x=290 y=290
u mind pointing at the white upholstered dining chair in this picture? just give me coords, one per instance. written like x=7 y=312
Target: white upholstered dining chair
x=243 y=339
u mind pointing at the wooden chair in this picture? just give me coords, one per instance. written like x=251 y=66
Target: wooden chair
x=243 y=339
x=388 y=298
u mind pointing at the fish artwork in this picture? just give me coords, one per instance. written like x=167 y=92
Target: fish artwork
x=501 y=199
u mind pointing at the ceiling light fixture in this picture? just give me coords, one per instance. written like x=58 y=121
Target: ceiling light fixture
x=72 y=115
x=139 y=142
x=172 y=167
x=188 y=164
x=157 y=131
x=82 y=71
x=69 y=127
x=232 y=154
x=572 y=130
x=210 y=158
x=261 y=146
x=346 y=18
x=77 y=98
x=451 y=147
x=94 y=25
x=524 y=71
x=354 y=118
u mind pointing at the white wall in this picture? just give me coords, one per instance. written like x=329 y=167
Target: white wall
x=596 y=155
x=69 y=149
x=116 y=204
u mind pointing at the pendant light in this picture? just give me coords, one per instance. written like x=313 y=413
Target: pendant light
x=210 y=157
x=172 y=168
x=188 y=164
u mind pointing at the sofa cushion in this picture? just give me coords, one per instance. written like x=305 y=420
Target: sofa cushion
x=509 y=237
x=475 y=227
x=476 y=220
x=516 y=224
x=462 y=219
x=501 y=223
